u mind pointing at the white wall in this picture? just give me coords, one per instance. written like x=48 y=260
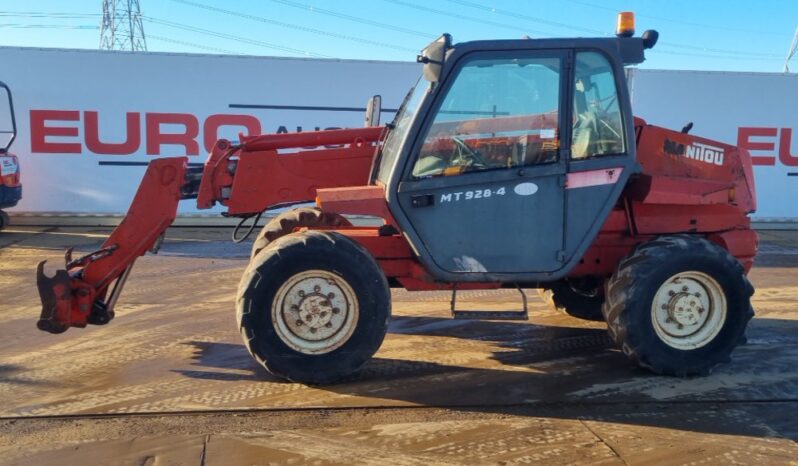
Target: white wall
x=722 y=105
x=114 y=83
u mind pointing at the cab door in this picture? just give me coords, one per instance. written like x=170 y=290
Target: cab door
x=484 y=187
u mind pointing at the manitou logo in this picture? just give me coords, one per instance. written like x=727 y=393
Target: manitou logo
x=696 y=151
x=180 y=129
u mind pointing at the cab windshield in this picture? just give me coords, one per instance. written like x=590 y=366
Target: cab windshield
x=401 y=126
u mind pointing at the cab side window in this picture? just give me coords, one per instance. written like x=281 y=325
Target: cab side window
x=598 y=127
x=498 y=113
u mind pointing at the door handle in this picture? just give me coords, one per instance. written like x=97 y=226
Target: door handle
x=423 y=200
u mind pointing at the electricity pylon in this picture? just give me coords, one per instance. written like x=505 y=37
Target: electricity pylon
x=121 y=28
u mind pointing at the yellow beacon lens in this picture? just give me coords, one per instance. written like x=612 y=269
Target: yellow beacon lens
x=626 y=24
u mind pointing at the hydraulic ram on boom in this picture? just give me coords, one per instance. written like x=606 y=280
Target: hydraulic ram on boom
x=246 y=178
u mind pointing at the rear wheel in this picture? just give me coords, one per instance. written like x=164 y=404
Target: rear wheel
x=287 y=222
x=678 y=305
x=313 y=307
x=582 y=301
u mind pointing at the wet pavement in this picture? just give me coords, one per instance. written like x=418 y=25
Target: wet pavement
x=169 y=380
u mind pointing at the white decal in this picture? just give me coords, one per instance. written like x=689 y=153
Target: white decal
x=705 y=153
x=525 y=189
x=7 y=166
x=548 y=133
x=696 y=151
x=468 y=264
x=471 y=195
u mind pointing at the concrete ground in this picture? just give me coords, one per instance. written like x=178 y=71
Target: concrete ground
x=169 y=382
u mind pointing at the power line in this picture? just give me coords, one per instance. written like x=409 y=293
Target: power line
x=681 y=21
x=515 y=14
x=740 y=54
x=94 y=28
x=713 y=53
x=244 y=40
x=356 y=19
x=39 y=14
x=713 y=50
x=190 y=44
x=292 y=26
x=48 y=26
x=59 y=15
x=717 y=57
x=464 y=17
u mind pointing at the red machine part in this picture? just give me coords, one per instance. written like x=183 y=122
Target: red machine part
x=71 y=296
x=235 y=175
x=247 y=179
x=689 y=184
x=694 y=185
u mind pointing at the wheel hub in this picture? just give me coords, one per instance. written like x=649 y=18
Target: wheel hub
x=685 y=309
x=315 y=312
x=688 y=310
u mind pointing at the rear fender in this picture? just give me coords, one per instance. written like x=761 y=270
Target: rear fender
x=742 y=244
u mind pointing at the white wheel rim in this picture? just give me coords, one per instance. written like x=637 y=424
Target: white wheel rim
x=689 y=310
x=315 y=312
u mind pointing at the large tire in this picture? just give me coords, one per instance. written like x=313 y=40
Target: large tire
x=564 y=298
x=287 y=222
x=313 y=307
x=678 y=305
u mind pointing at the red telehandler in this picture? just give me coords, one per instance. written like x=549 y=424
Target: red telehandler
x=511 y=163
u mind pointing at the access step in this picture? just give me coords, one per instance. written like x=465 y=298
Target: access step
x=489 y=315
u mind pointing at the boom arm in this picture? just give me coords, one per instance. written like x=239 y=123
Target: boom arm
x=247 y=179
x=77 y=295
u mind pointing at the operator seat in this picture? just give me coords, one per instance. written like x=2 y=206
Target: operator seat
x=429 y=165
x=585 y=136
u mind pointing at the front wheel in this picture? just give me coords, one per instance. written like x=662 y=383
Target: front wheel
x=678 y=305
x=291 y=220
x=313 y=307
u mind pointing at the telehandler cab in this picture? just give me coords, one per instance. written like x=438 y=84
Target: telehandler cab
x=511 y=163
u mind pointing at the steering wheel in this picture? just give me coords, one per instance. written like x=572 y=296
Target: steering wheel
x=466 y=156
x=610 y=100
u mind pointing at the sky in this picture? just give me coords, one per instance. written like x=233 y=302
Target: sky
x=729 y=35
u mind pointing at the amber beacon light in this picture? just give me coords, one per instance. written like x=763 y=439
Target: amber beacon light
x=626 y=24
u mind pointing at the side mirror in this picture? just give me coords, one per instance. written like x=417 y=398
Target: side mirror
x=8 y=126
x=650 y=38
x=373 y=109
x=433 y=56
